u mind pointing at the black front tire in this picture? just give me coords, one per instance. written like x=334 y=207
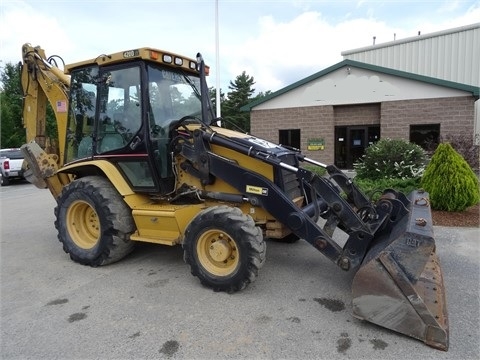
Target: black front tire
x=94 y=223
x=224 y=248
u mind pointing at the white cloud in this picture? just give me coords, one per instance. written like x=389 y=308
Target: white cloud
x=449 y=6
x=277 y=43
x=280 y=53
x=21 y=23
x=306 y=42
x=471 y=16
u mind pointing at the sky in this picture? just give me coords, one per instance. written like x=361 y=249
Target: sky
x=275 y=42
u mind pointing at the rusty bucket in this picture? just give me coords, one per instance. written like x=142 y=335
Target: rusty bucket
x=400 y=284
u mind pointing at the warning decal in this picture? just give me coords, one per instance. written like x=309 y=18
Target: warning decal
x=256 y=190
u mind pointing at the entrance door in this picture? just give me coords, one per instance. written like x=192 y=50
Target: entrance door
x=357 y=141
x=351 y=142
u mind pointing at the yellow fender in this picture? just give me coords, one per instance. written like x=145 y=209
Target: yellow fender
x=110 y=171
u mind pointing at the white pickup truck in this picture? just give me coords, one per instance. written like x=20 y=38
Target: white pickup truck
x=11 y=161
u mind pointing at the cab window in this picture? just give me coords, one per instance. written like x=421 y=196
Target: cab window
x=81 y=118
x=120 y=115
x=172 y=96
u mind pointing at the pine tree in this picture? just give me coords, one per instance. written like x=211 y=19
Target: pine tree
x=450 y=181
x=11 y=110
x=13 y=134
x=240 y=95
x=213 y=98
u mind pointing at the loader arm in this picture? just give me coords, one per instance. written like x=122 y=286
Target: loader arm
x=398 y=282
x=301 y=221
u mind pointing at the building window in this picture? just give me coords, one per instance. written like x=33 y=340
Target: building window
x=290 y=137
x=427 y=135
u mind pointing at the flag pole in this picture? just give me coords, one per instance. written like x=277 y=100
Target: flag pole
x=217 y=62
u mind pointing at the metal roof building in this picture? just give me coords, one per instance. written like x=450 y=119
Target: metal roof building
x=452 y=55
x=422 y=89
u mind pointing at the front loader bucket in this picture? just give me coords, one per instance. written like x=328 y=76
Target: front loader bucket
x=400 y=283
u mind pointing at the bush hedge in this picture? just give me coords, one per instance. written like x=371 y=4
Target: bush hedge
x=320 y=171
x=465 y=146
x=391 y=159
x=374 y=188
x=450 y=181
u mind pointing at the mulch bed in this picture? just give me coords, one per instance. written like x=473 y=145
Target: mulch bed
x=468 y=218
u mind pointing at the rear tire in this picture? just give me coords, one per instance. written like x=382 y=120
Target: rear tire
x=94 y=223
x=224 y=248
x=5 y=181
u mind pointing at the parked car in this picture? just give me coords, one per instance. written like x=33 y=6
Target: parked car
x=11 y=161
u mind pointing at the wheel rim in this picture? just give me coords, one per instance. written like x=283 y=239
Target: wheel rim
x=83 y=224
x=217 y=252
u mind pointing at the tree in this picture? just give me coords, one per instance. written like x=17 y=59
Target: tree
x=213 y=98
x=11 y=94
x=261 y=95
x=11 y=110
x=450 y=181
x=240 y=95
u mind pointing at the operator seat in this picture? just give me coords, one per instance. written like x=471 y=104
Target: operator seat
x=110 y=138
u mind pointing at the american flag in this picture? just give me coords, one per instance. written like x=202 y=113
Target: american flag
x=61 y=106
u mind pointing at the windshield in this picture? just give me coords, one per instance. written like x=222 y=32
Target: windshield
x=172 y=95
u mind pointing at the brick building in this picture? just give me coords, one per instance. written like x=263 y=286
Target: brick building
x=333 y=115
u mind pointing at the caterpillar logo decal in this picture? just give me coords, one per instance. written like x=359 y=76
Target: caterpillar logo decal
x=256 y=190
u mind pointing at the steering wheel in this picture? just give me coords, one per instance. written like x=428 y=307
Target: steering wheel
x=190 y=117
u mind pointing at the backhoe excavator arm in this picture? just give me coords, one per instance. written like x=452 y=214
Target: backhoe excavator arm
x=42 y=81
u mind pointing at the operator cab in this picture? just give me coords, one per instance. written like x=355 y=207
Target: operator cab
x=124 y=113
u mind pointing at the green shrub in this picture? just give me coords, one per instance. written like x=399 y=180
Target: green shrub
x=450 y=181
x=374 y=188
x=320 y=171
x=391 y=159
x=467 y=147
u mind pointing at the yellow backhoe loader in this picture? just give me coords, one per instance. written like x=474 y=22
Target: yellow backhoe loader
x=140 y=158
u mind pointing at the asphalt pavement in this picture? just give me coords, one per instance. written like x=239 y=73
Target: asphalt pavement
x=149 y=306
